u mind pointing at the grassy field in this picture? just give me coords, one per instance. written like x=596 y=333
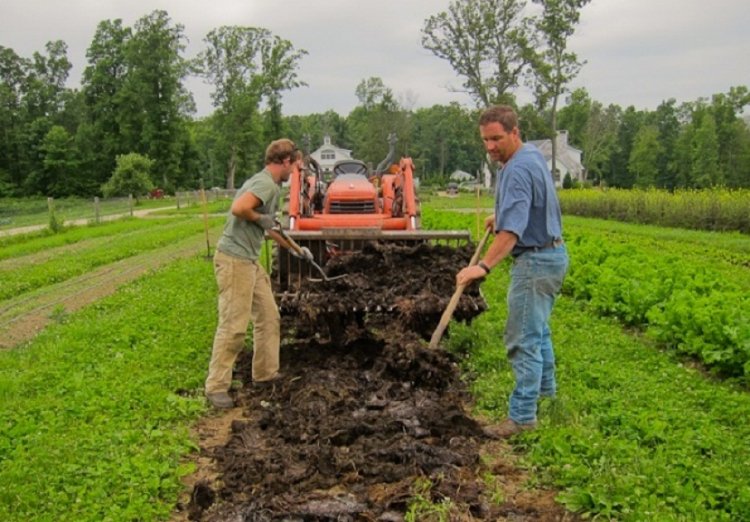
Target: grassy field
x=95 y=412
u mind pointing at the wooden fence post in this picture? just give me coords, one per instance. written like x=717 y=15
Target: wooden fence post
x=97 y=213
x=130 y=204
x=204 y=203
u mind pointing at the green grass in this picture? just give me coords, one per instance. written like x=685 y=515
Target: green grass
x=95 y=413
x=462 y=200
x=636 y=433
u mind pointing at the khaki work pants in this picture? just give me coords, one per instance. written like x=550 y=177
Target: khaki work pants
x=244 y=295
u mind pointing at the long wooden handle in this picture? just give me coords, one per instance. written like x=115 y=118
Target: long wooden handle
x=448 y=313
x=291 y=242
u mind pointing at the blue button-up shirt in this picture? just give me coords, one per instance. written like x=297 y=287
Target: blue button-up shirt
x=526 y=202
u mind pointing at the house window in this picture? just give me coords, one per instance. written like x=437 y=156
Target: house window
x=328 y=155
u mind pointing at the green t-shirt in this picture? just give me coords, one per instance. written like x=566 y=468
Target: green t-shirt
x=242 y=238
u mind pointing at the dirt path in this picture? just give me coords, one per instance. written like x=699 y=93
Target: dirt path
x=83 y=221
x=21 y=318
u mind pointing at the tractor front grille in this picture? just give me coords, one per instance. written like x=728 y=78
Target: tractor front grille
x=353 y=207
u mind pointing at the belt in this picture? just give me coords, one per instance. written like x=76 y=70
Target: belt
x=517 y=251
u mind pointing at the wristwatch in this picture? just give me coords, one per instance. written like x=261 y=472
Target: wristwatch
x=484 y=267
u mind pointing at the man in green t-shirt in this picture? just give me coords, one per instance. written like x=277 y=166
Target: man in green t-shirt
x=245 y=292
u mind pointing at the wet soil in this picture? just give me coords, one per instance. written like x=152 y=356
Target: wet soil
x=384 y=285
x=365 y=419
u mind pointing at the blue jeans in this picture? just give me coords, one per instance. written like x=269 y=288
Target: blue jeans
x=536 y=278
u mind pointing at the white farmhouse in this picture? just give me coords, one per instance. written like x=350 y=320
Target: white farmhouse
x=568 y=159
x=328 y=154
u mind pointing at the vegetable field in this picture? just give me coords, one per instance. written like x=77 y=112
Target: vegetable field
x=651 y=334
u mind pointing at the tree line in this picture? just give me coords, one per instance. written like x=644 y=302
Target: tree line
x=133 y=108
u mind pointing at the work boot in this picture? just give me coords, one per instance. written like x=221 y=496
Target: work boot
x=220 y=400
x=270 y=382
x=508 y=428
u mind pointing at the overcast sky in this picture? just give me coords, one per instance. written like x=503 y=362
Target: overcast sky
x=638 y=52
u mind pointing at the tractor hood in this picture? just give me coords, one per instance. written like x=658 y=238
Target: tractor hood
x=351 y=186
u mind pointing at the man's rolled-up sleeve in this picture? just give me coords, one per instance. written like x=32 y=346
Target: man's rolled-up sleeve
x=512 y=212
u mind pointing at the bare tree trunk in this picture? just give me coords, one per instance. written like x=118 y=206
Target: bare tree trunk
x=554 y=136
x=232 y=169
x=442 y=158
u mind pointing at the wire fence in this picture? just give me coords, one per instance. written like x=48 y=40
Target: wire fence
x=30 y=213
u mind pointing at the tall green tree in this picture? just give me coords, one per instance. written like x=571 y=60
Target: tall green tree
x=489 y=43
x=279 y=61
x=100 y=138
x=446 y=139
x=574 y=116
x=159 y=103
x=43 y=97
x=619 y=175
x=534 y=122
x=247 y=65
x=732 y=134
x=374 y=119
x=13 y=71
x=705 y=167
x=666 y=120
x=45 y=85
x=60 y=164
x=555 y=65
x=599 y=139
x=643 y=163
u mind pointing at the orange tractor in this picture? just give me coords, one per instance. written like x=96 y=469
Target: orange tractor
x=355 y=205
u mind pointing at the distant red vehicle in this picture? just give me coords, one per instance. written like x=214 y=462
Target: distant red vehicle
x=157 y=193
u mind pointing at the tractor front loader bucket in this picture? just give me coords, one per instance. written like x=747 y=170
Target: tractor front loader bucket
x=291 y=273
x=387 y=276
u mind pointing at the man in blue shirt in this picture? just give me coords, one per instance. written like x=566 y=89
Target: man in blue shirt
x=527 y=225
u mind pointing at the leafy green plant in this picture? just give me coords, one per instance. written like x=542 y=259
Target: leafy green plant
x=98 y=430
x=690 y=307
x=634 y=434
x=423 y=509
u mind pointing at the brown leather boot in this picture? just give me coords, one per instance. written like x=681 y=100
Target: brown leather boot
x=220 y=400
x=508 y=428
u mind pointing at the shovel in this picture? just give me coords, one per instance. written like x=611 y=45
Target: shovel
x=448 y=313
x=298 y=249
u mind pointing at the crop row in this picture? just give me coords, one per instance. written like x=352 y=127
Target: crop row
x=688 y=302
x=24 y=278
x=691 y=308
x=45 y=239
x=709 y=209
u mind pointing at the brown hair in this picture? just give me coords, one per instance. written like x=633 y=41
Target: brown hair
x=502 y=114
x=279 y=150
